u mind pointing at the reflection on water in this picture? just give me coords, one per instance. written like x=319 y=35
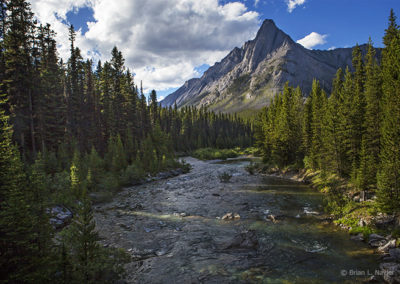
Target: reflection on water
x=179 y=235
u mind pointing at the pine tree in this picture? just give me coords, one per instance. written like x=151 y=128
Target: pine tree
x=22 y=247
x=318 y=109
x=345 y=127
x=332 y=138
x=388 y=178
x=84 y=243
x=357 y=110
x=370 y=148
x=153 y=107
x=18 y=71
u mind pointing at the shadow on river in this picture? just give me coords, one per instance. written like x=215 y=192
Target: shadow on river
x=174 y=231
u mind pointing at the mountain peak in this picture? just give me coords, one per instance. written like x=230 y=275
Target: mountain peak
x=248 y=77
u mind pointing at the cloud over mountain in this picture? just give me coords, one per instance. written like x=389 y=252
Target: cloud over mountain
x=313 y=39
x=162 y=40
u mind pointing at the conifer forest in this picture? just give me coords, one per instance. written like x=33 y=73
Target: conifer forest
x=75 y=134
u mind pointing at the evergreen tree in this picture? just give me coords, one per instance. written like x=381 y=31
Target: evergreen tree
x=388 y=178
x=370 y=147
x=18 y=71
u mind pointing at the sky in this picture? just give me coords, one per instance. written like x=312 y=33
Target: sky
x=167 y=42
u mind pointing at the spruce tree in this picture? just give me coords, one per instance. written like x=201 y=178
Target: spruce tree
x=370 y=148
x=388 y=178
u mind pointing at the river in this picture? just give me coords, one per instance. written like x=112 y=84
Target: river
x=174 y=231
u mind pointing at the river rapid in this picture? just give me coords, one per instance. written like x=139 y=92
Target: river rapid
x=175 y=232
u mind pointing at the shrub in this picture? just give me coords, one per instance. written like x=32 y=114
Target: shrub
x=212 y=154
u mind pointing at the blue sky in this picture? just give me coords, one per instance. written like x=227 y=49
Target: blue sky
x=164 y=51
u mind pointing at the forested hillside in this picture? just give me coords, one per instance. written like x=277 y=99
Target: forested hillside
x=352 y=134
x=70 y=129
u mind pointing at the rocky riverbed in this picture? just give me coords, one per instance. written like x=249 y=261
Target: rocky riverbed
x=194 y=229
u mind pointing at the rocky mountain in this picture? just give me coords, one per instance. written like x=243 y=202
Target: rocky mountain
x=248 y=77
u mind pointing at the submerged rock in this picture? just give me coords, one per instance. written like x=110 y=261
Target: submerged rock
x=359 y=237
x=245 y=240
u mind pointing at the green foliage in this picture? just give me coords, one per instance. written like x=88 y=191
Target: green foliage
x=281 y=127
x=109 y=183
x=213 y=154
x=132 y=175
x=388 y=178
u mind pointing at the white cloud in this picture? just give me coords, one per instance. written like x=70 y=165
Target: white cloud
x=292 y=4
x=313 y=39
x=332 y=48
x=162 y=40
x=256 y=2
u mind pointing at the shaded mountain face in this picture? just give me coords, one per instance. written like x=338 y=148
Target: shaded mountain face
x=248 y=77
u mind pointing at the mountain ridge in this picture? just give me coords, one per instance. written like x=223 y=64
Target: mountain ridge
x=248 y=77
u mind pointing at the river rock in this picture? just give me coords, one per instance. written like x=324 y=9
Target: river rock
x=395 y=253
x=231 y=216
x=60 y=216
x=384 y=220
x=272 y=218
x=376 y=240
x=389 y=245
x=245 y=240
x=391 y=272
x=359 y=237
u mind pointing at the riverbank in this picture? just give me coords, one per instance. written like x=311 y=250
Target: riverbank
x=359 y=217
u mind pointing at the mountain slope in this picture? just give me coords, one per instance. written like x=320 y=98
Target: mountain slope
x=248 y=77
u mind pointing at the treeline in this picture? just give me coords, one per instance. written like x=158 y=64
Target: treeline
x=69 y=130
x=352 y=134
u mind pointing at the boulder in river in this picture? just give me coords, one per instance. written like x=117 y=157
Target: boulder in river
x=245 y=240
x=376 y=240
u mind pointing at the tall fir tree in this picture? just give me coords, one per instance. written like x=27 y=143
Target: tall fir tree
x=388 y=178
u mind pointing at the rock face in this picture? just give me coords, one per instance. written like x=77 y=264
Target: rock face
x=248 y=77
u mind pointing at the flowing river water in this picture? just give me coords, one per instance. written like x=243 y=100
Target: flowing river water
x=174 y=231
